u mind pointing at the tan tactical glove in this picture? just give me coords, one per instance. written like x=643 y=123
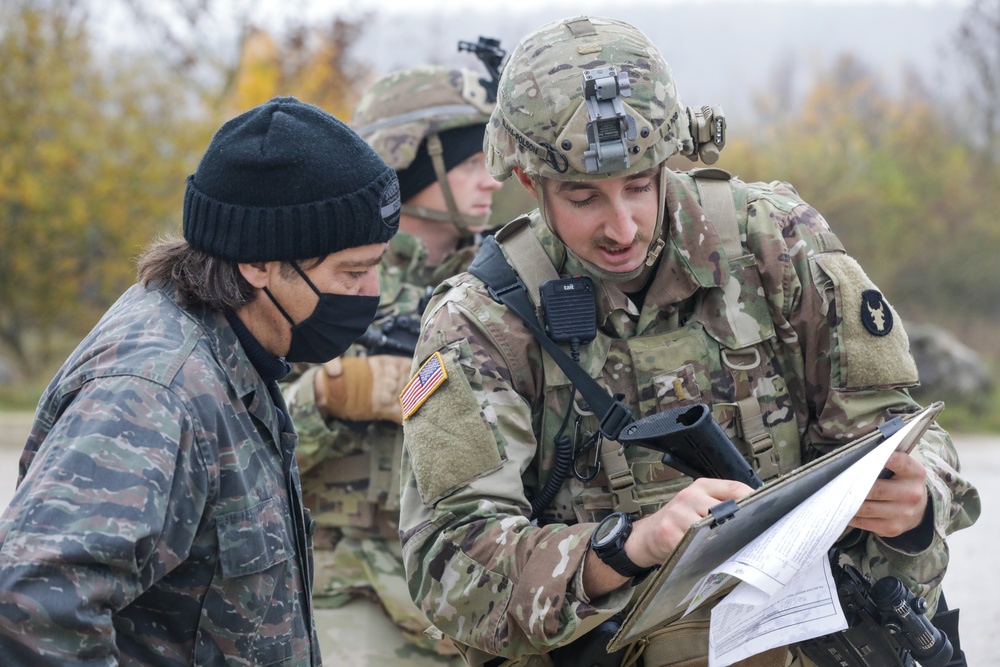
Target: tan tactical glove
x=362 y=388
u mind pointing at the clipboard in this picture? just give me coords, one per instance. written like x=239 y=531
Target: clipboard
x=714 y=539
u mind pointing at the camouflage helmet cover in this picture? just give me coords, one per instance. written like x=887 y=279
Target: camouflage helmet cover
x=397 y=112
x=541 y=117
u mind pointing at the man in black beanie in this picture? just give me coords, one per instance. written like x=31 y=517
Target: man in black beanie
x=158 y=518
x=428 y=123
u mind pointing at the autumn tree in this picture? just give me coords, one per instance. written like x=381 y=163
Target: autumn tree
x=313 y=63
x=95 y=152
x=236 y=57
x=977 y=42
x=896 y=183
x=99 y=137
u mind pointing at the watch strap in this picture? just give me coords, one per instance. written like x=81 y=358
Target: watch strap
x=623 y=565
x=615 y=556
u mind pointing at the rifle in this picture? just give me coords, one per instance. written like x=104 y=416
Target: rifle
x=887 y=627
x=591 y=650
x=394 y=335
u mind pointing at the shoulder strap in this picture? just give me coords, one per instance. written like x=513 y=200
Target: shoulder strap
x=720 y=195
x=719 y=192
x=506 y=287
x=527 y=257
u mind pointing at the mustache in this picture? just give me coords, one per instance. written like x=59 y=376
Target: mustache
x=611 y=245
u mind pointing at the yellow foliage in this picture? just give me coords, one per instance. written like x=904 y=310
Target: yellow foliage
x=260 y=75
x=95 y=155
x=97 y=146
x=310 y=64
x=901 y=187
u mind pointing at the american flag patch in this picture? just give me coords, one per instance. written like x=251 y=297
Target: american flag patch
x=422 y=385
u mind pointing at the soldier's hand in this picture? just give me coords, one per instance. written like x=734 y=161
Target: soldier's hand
x=362 y=388
x=895 y=505
x=655 y=537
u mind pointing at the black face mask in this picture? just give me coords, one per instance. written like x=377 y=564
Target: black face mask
x=336 y=322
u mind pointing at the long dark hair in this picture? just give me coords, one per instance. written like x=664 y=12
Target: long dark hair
x=196 y=277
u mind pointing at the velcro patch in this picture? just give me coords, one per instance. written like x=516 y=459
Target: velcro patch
x=863 y=361
x=430 y=376
x=449 y=441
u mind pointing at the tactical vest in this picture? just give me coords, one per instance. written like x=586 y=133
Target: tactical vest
x=721 y=349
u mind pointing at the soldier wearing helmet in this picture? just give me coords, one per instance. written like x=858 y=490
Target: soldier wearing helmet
x=428 y=124
x=523 y=529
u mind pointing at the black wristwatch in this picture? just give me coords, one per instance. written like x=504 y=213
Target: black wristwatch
x=608 y=542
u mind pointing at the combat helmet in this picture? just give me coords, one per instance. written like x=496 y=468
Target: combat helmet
x=401 y=110
x=589 y=98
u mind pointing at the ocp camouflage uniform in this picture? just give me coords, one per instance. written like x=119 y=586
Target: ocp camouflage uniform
x=482 y=445
x=757 y=313
x=350 y=476
x=157 y=519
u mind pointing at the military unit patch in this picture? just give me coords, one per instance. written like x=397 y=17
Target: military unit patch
x=430 y=376
x=875 y=313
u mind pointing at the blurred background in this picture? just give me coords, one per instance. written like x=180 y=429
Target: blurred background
x=885 y=116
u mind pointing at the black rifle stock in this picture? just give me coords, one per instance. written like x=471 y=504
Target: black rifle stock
x=692 y=442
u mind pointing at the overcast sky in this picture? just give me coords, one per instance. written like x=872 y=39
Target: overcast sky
x=572 y=6
x=721 y=51
x=323 y=8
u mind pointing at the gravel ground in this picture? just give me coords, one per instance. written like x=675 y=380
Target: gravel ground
x=969 y=586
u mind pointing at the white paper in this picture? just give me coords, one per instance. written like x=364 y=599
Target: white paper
x=807 y=607
x=787 y=594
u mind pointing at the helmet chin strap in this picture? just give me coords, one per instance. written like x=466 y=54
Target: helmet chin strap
x=446 y=216
x=462 y=221
x=656 y=245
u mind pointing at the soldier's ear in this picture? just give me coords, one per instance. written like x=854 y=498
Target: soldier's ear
x=527 y=182
x=257 y=274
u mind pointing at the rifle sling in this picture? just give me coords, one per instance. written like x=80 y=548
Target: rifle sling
x=506 y=287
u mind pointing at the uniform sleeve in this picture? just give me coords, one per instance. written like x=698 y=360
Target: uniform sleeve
x=857 y=369
x=316 y=435
x=109 y=505
x=475 y=565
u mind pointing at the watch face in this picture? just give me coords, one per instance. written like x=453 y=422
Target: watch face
x=609 y=529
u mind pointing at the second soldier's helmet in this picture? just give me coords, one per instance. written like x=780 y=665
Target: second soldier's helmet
x=406 y=109
x=588 y=98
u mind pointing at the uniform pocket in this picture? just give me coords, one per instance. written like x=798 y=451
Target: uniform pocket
x=680 y=644
x=253 y=605
x=253 y=540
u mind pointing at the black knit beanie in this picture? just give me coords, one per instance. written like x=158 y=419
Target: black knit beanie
x=287 y=181
x=457 y=145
